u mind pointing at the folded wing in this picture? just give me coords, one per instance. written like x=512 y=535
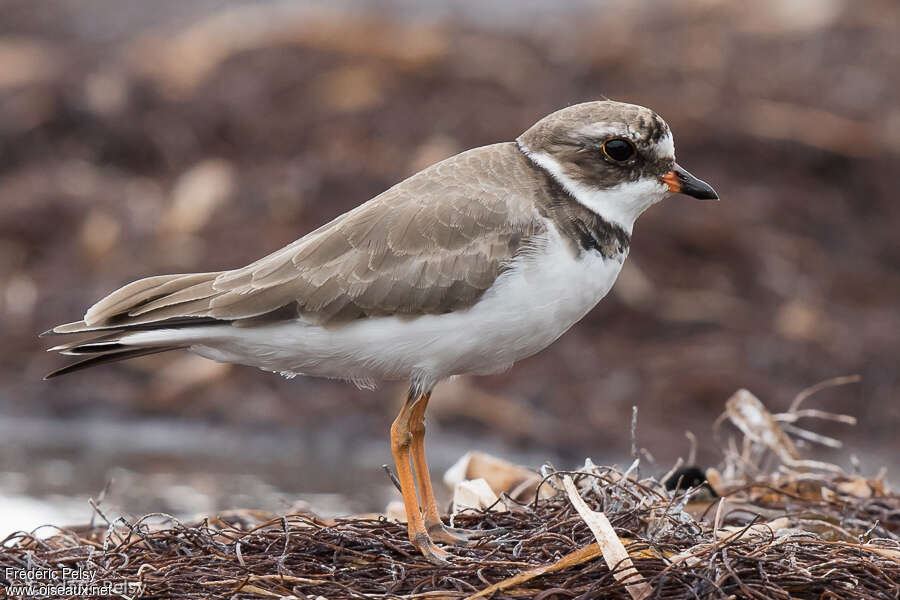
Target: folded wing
x=432 y=244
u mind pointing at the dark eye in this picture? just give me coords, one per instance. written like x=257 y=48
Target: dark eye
x=618 y=150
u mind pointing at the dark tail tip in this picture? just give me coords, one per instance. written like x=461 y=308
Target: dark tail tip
x=108 y=357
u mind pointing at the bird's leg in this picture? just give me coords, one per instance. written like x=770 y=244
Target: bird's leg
x=401 y=440
x=432 y=516
x=433 y=524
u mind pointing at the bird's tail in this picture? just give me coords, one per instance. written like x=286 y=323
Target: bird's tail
x=112 y=353
x=128 y=319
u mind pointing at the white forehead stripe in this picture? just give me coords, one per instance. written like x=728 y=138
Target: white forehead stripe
x=665 y=147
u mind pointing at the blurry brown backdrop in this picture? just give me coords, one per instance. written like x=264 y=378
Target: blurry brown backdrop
x=139 y=138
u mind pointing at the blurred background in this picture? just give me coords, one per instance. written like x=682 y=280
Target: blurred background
x=139 y=138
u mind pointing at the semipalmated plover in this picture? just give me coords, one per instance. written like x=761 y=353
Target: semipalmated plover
x=466 y=267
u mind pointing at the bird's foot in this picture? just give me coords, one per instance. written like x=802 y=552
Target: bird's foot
x=452 y=535
x=430 y=551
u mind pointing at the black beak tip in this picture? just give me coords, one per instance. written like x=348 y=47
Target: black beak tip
x=708 y=193
x=689 y=185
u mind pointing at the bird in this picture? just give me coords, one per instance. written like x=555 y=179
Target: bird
x=466 y=267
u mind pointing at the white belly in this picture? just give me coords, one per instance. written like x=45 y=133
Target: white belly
x=528 y=308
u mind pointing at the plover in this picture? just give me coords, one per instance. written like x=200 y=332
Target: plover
x=466 y=267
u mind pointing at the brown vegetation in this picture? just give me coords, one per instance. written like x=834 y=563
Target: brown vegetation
x=594 y=532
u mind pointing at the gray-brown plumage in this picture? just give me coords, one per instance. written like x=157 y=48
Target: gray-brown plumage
x=397 y=254
x=466 y=267
x=576 y=148
x=400 y=253
x=432 y=244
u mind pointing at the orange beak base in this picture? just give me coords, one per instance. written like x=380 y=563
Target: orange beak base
x=682 y=182
x=671 y=180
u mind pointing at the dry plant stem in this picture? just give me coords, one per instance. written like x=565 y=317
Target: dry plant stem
x=761 y=429
x=720 y=512
x=692 y=455
x=572 y=559
x=614 y=553
x=822 y=385
x=814 y=413
x=671 y=472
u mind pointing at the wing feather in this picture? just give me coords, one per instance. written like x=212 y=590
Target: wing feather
x=431 y=244
x=136 y=293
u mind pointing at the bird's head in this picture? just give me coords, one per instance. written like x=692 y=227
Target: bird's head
x=617 y=159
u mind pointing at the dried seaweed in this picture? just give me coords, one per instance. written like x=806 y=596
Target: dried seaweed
x=781 y=539
x=782 y=533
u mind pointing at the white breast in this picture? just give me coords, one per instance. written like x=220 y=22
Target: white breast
x=529 y=307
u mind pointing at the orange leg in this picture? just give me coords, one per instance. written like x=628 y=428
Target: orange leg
x=401 y=440
x=417 y=431
x=433 y=524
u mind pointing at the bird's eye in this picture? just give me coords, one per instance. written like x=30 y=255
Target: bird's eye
x=618 y=150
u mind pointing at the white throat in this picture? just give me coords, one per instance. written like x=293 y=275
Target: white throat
x=621 y=204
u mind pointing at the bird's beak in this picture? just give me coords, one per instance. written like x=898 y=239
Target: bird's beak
x=682 y=182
